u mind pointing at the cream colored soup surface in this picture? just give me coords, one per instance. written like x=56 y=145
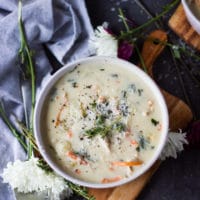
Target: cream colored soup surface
x=102 y=123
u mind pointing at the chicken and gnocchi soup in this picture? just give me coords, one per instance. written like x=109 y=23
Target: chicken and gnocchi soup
x=102 y=123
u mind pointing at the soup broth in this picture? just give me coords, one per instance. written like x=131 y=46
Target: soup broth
x=102 y=122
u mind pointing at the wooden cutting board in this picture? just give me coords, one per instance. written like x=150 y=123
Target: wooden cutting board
x=179 y=116
x=180 y=25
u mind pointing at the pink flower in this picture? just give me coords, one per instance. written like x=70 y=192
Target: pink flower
x=125 y=50
x=193 y=135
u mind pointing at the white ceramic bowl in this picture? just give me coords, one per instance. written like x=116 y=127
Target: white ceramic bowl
x=38 y=119
x=192 y=18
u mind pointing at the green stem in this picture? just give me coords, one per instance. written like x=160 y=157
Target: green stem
x=152 y=20
x=80 y=191
x=12 y=129
x=141 y=58
x=187 y=99
x=121 y=15
x=25 y=47
x=171 y=45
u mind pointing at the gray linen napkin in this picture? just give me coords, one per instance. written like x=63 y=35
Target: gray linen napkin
x=62 y=26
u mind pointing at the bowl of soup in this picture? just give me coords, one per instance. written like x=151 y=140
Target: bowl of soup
x=192 y=11
x=100 y=122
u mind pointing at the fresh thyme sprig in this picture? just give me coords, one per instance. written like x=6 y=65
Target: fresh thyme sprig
x=131 y=32
x=28 y=135
x=80 y=190
x=27 y=61
x=11 y=127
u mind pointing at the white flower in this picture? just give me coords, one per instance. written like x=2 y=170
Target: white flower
x=27 y=176
x=104 y=43
x=174 y=144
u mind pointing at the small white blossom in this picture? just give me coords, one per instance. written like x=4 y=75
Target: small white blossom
x=27 y=176
x=174 y=144
x=104 y=43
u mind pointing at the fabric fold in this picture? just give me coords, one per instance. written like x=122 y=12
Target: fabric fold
x=63 y=26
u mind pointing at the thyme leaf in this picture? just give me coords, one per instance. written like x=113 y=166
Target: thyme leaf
x=82 y=191
x=154 y=122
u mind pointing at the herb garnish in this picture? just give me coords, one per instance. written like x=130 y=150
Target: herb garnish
x=119 y=126
x=154 y=122
x=100 y=119
x=83 y=110
x=93 y=104
x=74 y=84
x=105 y=130
x=83 y=154
x=99 y=130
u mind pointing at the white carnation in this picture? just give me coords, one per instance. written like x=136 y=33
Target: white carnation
x=104 y=43
x=174 y=144
x=27 y=176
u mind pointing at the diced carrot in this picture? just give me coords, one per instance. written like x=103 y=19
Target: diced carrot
x=134 y=142
x=83 y=162
x=128 y=164
x=60 y=111
x=102 y=99
x=118 y=81
x=69 y=134
x=111 y=168
x=159 y=127
x=150 y=103
x=72 y=155
x=127 y=133
x=110 y=180
x=77 y=171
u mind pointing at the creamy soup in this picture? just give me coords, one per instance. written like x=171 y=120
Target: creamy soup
x=102 y=123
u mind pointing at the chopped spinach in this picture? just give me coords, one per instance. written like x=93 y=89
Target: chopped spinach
x=102 y=69
x=74 y=84
x=154 y=122
x=140 y=92
x=138 y=149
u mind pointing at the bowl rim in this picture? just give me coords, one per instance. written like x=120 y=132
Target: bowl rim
x=67 y=68
x=192 y=18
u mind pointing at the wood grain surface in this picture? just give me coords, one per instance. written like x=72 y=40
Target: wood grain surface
x=180 y=25
x=179 y=113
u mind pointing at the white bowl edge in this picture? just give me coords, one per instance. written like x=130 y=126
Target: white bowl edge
x=42 y=97
x=193 y=20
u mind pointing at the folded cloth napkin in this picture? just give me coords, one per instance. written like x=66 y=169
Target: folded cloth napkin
x=62 y=27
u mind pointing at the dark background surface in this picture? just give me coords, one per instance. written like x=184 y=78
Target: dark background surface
x=176 y=179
